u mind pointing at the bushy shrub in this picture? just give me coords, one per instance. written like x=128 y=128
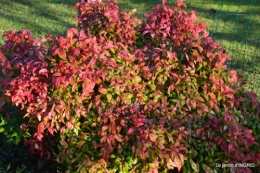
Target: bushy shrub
x=121 y=95
x=25 y=84
x=107 y=23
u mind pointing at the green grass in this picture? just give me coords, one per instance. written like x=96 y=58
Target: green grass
x=235 y=25
x=39 y=16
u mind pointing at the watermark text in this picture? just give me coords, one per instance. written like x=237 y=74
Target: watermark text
x=235 y=165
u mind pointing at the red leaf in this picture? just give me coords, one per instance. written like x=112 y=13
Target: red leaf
x=69 y=125
x=126 y=56
x=152 y=137
x=71 y=32
x=147 y=31
x=178 y=163
x=101 y=39
x=117 y=138
x=64 y=144
x=55 y=51
x=40 y=128
x=180 y=3
x=193 y=15
x=104 y=128
x=202 y=107
x=97 y=100
x=79 y=145
x=2 y=57
x=103 y=76
x=139 y=124
x=91 y=62
x=133 y=149
x=62 y=130
x=56 y=82
x=39 y=55
x=39 y=136
x=102 y=90
x=50 y=130
x=110 y=45
x=163 y=2
x=105 y=155
x=230 y=148
x=130 y=131
x=75 y=52
x=181 y=157
x=36 y=146
x=62 y=54
x=43 y=71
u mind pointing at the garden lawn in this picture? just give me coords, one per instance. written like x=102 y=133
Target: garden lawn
x=39 y=16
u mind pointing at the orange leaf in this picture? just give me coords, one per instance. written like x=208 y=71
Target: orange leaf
x=178 y=163
x=64 y=144
x=40 y=128
x=79 y=145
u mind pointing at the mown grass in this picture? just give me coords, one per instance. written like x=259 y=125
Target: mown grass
x=39 y=16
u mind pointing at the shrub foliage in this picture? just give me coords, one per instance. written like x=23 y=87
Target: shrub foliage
x=124 y=95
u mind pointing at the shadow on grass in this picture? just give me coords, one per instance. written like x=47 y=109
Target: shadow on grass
x=37 y=16
x=238 y=32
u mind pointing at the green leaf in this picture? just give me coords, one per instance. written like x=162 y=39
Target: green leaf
x=14 y=134
x=208 y=169
x=193 y=165
x=182 y=97
x=186 y=168
x=112 y=156
x=199 y=66
x=2 y=129
x=109 y=97
x=127 y=98
x=137 y=79
x=193 y=153
x=17 y=141
x=125 y=167
x=76 y=131
x=112 y=50
x=8 y=167
x=3 y=121
x=118 y=59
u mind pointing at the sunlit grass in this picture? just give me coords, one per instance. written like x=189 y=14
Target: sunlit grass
x=40 y=17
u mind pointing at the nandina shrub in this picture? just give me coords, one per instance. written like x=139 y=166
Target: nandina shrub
x=204 y=91
x=180 y=78
x=154 y=97
x=107 y=23
x=24 y=83
x=106 y=114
